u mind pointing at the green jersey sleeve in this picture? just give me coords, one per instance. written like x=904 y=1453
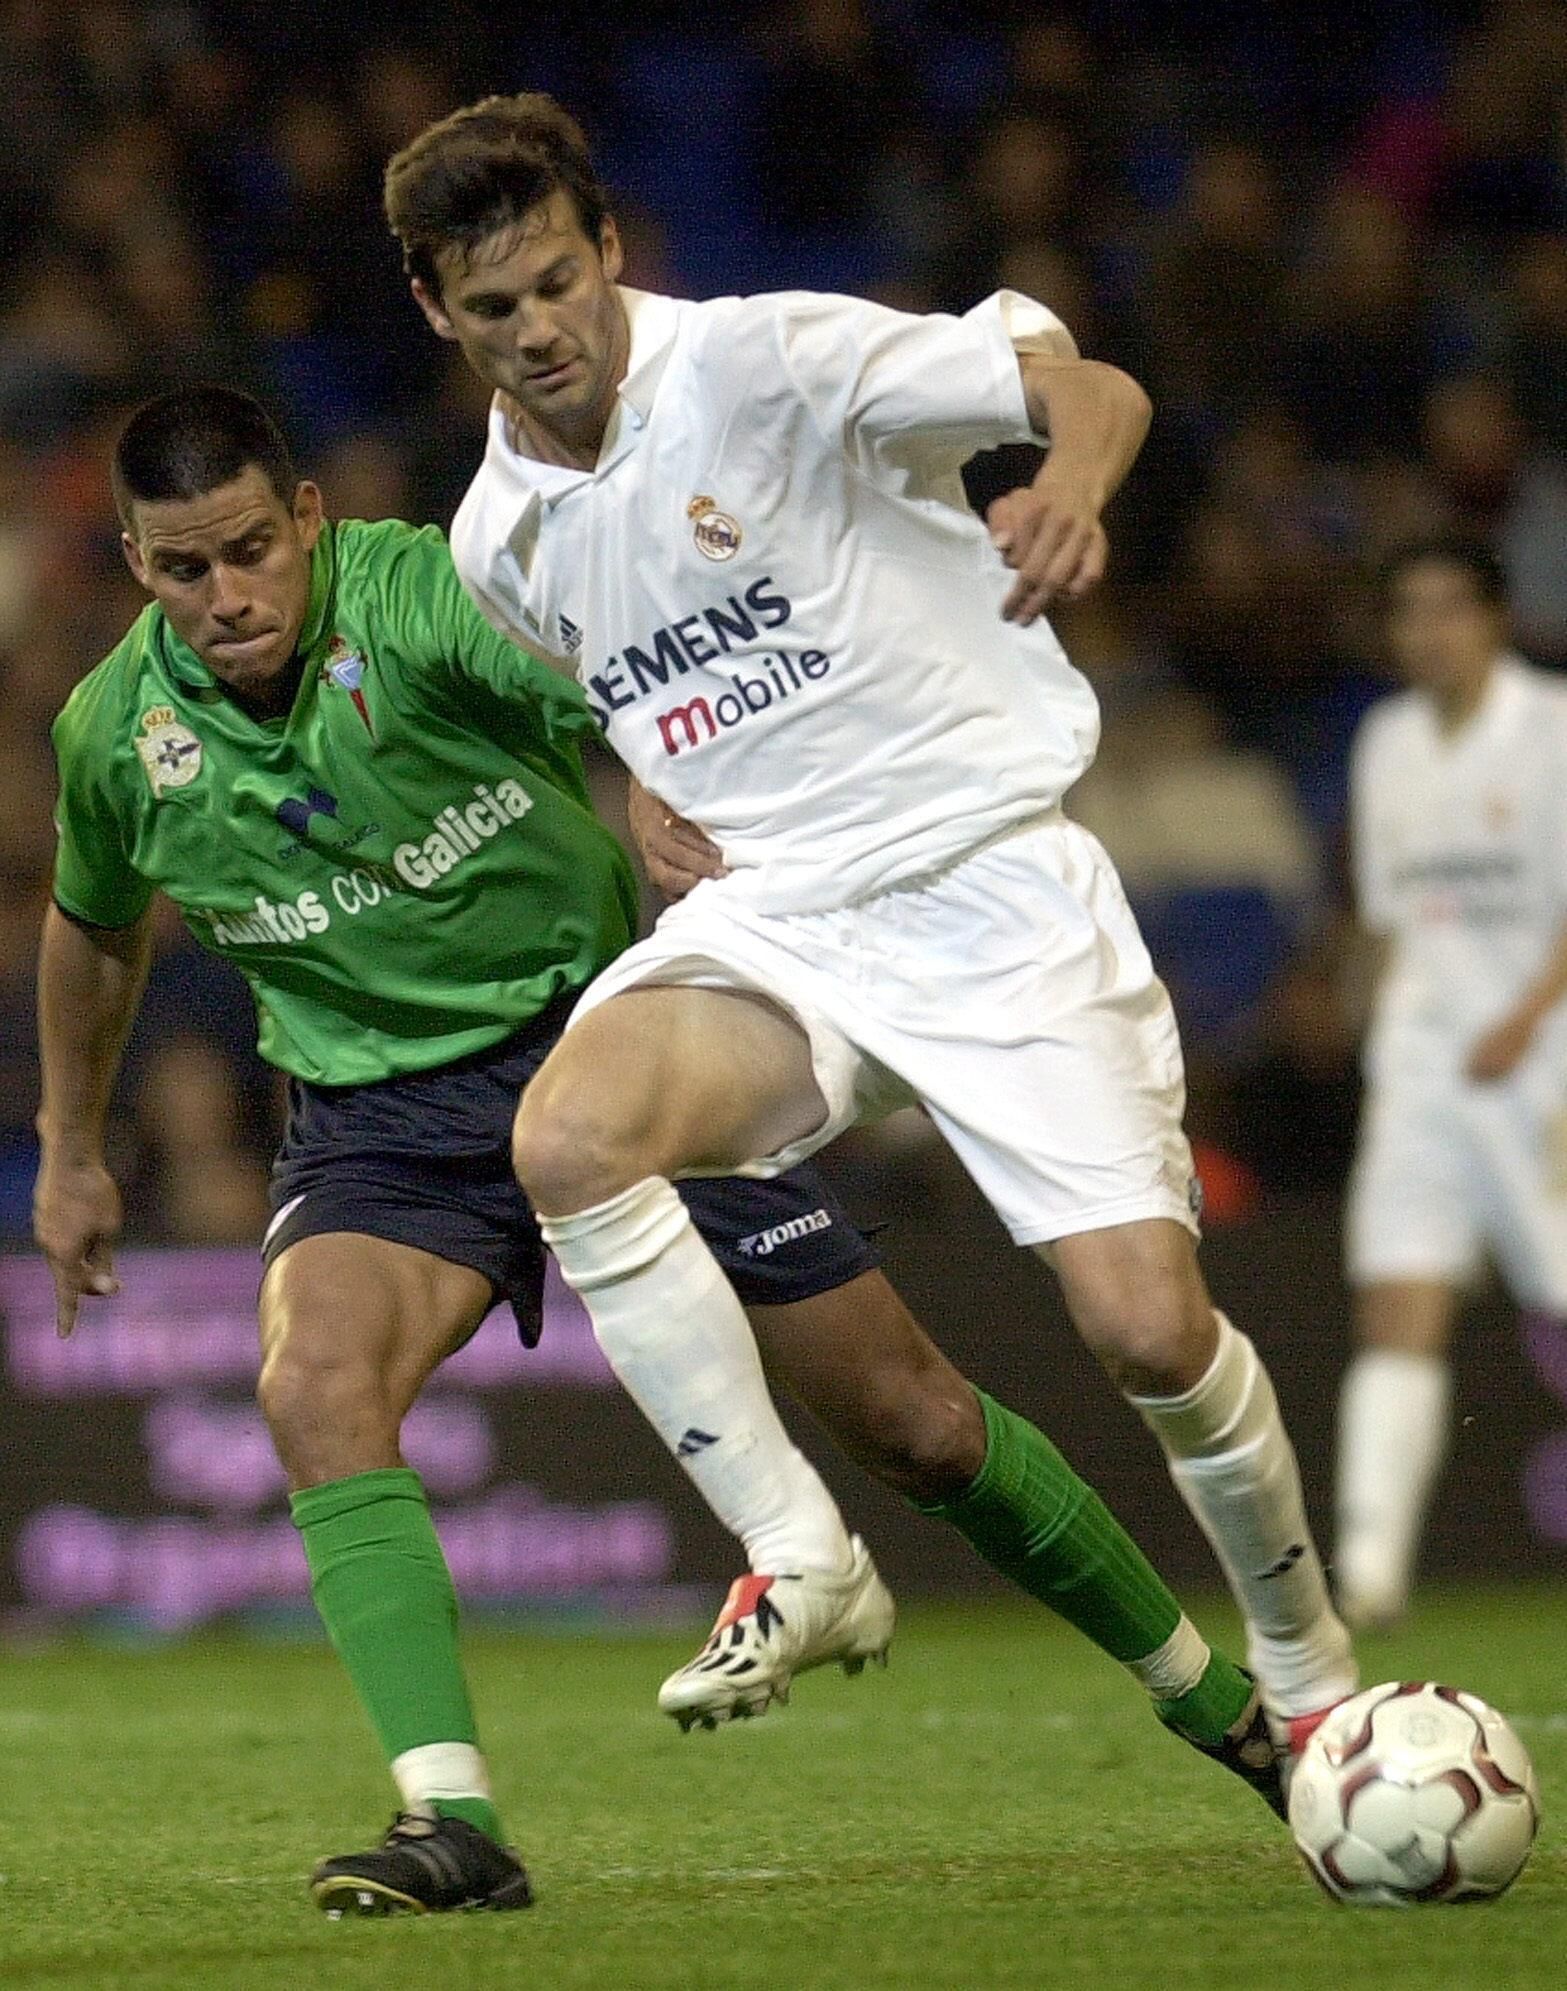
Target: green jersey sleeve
x=94 y=877
x=545 y=708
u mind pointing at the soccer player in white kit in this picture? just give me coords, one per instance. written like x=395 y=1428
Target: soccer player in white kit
x=742 y=523
x=1459 y=831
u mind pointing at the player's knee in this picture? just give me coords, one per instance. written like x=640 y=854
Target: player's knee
x=314 y=1398
x=923 y=1435
x=570 y=1153
x=1153 y=1344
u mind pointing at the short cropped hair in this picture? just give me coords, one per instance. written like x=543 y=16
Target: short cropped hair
x=483 y=169
x=190 y=442
x=1461 y=550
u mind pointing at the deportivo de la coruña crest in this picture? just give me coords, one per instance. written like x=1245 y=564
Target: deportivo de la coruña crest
x=170 y=752
x=346 y=669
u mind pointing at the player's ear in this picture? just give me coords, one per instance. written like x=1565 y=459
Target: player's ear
x=611 y=254
x=308 y=513
x=435 y=312
x=131 y=548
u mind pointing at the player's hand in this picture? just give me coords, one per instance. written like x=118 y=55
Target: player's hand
x=1049 y=534
x=76 y=1219
x=676 y=853
x=1498 y=1052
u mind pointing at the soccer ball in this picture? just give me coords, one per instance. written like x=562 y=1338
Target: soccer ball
x=1411 y=1793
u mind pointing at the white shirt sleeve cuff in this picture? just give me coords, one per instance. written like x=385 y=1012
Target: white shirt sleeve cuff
x=1019 y=326
x=1030 y=327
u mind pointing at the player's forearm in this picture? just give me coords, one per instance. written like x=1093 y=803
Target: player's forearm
x=1550 y=985
x=1095 y=416
x=89 y=985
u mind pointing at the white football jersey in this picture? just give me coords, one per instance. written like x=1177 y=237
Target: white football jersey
x=1460 y=851
x=775 y=596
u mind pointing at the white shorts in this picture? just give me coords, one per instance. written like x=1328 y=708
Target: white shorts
x=1446 y=1170
x=1011 y=995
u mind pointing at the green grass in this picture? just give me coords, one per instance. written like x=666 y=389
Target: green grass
x=996 y=1810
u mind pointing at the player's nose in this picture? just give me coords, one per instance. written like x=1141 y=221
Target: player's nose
x=229 y=602
x=536 y=337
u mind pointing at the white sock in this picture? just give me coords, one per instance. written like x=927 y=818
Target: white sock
x=1392 y=1435
x=1235 y=1467
x=440 y=1769
x=674 y=1333
x=1174 y=1668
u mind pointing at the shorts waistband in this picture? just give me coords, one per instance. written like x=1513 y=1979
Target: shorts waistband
x=546 y=1023
x=921 y=881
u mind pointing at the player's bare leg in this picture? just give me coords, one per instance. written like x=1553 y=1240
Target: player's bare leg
x=667 y=1079
x=351 y=1329
x=858 y=1360
x=1392 y=1435
x=655 y=1082
x=1138 y=1299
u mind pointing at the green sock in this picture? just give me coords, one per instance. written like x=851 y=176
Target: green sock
x=1213 y=1706
x=385 y=1596
x=1033 y=1519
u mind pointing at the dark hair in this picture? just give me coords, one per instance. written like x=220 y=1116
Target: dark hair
x=190 y=442
x=482 y=169
x=1447 y=549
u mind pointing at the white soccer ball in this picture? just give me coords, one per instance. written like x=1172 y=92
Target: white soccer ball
x=1411 y=1793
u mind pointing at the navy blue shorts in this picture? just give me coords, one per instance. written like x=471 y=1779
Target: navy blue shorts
x=426 y=1160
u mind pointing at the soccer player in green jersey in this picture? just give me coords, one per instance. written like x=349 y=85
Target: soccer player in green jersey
x=374 y=806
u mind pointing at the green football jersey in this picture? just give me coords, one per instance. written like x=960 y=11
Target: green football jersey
x=405 y=868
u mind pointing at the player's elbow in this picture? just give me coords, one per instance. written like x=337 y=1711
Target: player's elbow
x=1135 y=403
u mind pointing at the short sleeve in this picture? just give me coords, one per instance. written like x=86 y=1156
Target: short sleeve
x=895 y=386
x=94 y=878
x=442 y=618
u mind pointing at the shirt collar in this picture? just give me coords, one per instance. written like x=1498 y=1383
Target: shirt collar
x=188 y=670
x=653 y=321
x=1505 y=689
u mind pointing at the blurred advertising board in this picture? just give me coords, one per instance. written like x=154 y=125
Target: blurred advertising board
x=137 y=1480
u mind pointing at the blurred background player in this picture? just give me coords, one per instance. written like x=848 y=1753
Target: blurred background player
x=1459 y=828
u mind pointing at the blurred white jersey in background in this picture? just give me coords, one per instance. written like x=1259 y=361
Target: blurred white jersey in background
x=1460 y=854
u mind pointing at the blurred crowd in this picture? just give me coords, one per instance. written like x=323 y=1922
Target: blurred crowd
x=1332 y=243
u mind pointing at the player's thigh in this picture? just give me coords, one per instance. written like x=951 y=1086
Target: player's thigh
x=681 y=1077
x=1412 y=1210
x=1414 y=1316
x=349 y=1315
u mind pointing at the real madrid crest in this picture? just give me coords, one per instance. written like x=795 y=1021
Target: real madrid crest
x=170 y=752
x=716 y=533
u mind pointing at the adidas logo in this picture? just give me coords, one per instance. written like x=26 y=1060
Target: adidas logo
x=693 y=1441
x=1285 y=1563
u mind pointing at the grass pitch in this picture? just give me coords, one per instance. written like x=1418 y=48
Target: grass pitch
x=996 y=1810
